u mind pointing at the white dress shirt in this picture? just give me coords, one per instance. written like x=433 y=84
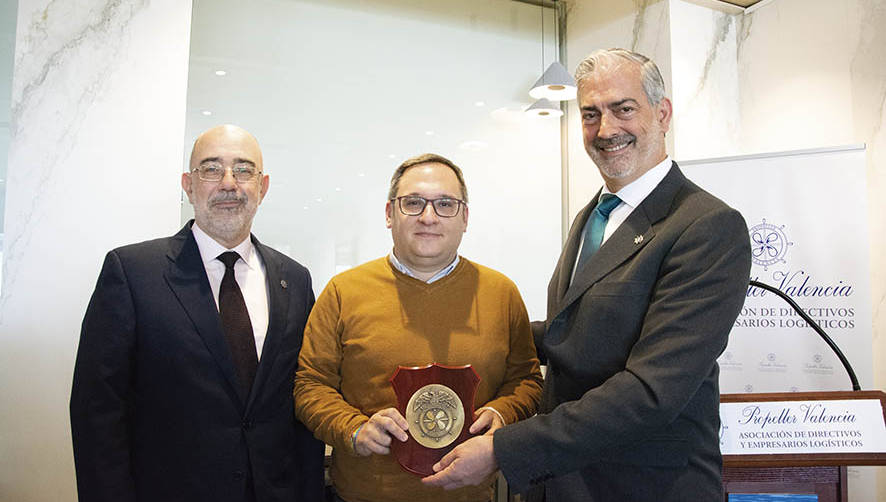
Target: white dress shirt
x=249 y=272
x=631 y=196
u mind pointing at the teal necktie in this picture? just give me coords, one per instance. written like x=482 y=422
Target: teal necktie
x=595 y=226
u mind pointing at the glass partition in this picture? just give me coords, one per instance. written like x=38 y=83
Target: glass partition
x=8 y=14
x=339 y=92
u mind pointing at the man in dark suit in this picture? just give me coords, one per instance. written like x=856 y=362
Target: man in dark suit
x=629 y=409
x=183 y=381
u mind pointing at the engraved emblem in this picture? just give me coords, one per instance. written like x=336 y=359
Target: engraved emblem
x=284 y=284
x=435 y=415
x=638 y=239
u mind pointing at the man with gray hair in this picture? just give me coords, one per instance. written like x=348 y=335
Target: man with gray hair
x=641 y=302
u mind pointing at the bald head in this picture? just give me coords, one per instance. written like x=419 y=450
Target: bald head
x=224 y=208
x=228 y=137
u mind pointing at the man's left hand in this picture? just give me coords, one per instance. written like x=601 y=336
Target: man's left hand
x=487 y=421
x=470 y=463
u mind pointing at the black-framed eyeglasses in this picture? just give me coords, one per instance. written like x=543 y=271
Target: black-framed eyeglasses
x=413 y=205
x=215 y=172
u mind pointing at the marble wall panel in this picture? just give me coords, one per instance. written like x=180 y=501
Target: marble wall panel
x=705 y=89
x=97 y=132
x=794 y=80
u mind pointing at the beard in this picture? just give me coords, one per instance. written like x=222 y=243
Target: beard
x=640 y=153
x=226 y=223
x=619 y=167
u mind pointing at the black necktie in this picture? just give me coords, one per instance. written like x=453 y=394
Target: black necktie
x=236 y=323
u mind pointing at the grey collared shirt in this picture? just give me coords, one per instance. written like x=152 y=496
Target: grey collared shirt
x=436 y=277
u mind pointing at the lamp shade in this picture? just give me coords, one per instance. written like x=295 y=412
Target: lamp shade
x=544 y=108
x=556 y=84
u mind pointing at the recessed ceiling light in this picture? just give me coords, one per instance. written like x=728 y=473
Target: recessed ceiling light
x=319 y=199
x=206 y=112
x=392 y=156
x=473 y=145
x=221 y=73
x=429 y=133
x=361 y=175
x=479 y=103
x=305 y=208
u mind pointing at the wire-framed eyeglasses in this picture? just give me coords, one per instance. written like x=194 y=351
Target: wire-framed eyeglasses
x=215 y=172
x=413 y=205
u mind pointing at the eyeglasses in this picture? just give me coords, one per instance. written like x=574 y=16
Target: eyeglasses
x=215 y=172
x=413 y=205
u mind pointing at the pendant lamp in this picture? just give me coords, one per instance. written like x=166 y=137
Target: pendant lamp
x=555 y=84
x=544 y=108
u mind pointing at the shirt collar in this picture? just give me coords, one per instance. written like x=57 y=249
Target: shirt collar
x=210 y=248
x=406 y=270
x=636 y=191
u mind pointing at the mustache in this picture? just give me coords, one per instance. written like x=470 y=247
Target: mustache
x=227 y=197
x=621 y=139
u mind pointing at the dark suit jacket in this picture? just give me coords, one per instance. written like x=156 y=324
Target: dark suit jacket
x=629 y=410
x=156 y=410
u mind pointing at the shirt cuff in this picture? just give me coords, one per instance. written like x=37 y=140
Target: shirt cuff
x=490 y=408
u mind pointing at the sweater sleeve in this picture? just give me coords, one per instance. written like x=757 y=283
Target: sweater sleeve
x=317 y=393
x=518 y=396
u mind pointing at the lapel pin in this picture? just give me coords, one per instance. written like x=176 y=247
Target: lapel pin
x=638 y=239
x=284 y=284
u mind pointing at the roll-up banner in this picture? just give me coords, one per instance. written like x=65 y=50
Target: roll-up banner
x=806 y=213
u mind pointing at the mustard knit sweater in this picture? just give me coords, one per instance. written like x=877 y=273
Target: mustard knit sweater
x=373 y=318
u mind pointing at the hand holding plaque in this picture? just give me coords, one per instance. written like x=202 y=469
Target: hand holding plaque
x=437 y=402
x=375 y=436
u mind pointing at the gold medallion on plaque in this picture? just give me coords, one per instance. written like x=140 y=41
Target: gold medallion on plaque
x=435 y=415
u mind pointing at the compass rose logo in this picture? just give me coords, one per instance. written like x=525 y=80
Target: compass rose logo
x=769 y=244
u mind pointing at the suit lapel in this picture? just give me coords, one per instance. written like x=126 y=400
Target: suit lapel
x=620 y=246
x=186 y=277
x=570 y=250
x=278 y=311
x=632 y=235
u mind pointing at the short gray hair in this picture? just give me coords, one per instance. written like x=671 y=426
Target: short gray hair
x=426 y=158
x=653 y=84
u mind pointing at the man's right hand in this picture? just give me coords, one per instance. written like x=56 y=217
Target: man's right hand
x=375 y=435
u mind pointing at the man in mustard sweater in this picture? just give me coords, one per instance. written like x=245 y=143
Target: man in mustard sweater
x=420 y=304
